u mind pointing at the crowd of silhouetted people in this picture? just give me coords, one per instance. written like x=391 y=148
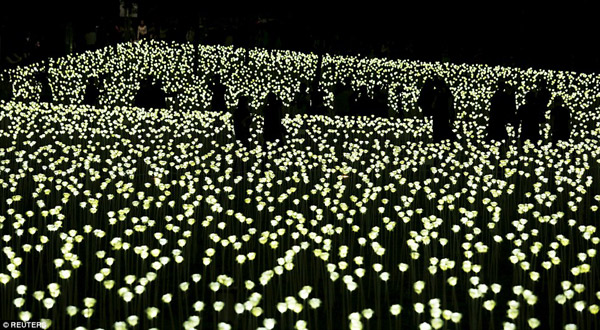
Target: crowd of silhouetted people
x=435 y=101
x=530 y=116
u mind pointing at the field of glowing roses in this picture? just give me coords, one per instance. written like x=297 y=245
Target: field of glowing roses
x=125 y=218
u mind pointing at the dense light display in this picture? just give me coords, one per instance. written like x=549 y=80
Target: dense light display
x=120 y=217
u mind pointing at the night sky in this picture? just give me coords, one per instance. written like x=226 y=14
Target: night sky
x=545 y=35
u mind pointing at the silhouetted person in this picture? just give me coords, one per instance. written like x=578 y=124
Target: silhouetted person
x=537 y=101
x=502 y=112
x=317 y=97
x=317 y=101
x=443 y=112
x=142 y=96
x=561 y=121
x=218 y=90
x=529 y=118
x=301 y=103
x=142 y=30
x=511 y=116
x=158 y=98
x=541 y=98
x=425 y=101
x=372 y=104
x=46 y=93
x=342 y=98
x=242 y=119
x=273 y=129
x=363 y=103
x=6 y=92
x=354 y=102
x=91 y=92
x=380 y=102
x=150 y=95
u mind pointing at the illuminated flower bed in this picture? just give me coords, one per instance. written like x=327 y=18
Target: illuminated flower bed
x=121 y=217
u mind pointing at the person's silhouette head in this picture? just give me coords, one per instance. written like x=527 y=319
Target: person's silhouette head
x=42 y=76
x=147 y=81
x=363 y=90
x=399 y=89
x=243 y=103
x=380 y=90
x=558 y=100
x=438 y=83
x=271 y=98
x=303 y=87
x=542 y=84
x=501 y=85
x=529 y=98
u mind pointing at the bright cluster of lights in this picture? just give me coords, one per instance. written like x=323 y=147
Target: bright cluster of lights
x=120 y=217
x=185 y=72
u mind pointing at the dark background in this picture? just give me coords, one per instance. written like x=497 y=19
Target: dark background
x=528 y=35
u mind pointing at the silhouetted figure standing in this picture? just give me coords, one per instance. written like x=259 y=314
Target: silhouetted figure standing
x=242 y=119
x=363 y=102
x=91 y=92
x=317 y=99
x=502 y=112
x=443 y=112
x=142 y=30
x=425 y=101
x=541 y=98
x=218 y=90
x=273 y=129
x=529 y=117
x=301 y=103
x=46 y=93
x=142 y=97
x=342 y=98
x=561 y=121
x=537 y=100
x=511 y=116
x=150 y=95
x=158 y=98
x=6 y=92
x=380 y=102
